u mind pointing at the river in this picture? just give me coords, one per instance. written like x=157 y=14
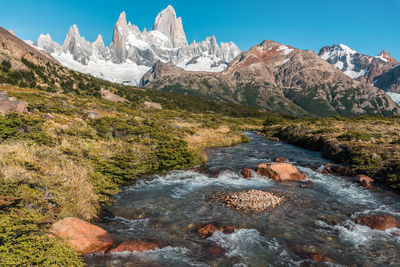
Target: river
x=317 y=219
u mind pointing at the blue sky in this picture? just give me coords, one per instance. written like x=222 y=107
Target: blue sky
x=367 y=26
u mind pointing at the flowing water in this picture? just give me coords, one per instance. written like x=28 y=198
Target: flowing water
x=317 y=219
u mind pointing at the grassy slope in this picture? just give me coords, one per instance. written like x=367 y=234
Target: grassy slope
x=55 y=164
x=371 y=145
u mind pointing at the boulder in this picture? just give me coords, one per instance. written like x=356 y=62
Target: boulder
x=337 y=170
x=205 y=230
x=11 y=104
x=108 y=95
x=280 y=159
x=213 y=251
x=378 y=222
x=280 y=172
x=91 y=115
x=86 y=238
x=246 y=173
x=135 y=246
x=365 y=181
x=248 y=201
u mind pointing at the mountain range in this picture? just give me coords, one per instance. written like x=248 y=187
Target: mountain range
x=132 y=52
x=272 y=76
x=280 y=78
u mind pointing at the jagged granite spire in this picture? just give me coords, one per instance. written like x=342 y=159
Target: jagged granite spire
x=167 y=23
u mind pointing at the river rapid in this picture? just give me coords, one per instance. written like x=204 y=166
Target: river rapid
x=317 y=219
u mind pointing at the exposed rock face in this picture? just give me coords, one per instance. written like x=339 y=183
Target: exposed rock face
x=378 y=222
x=167 y=23
x=280 y=172
x=356 y=65
x=10 y=104
x=13 y=49
x=249 y=201
x=133 y=51
x=389 y=80
x=277 y=77
x=86 y=238
x=135 y=246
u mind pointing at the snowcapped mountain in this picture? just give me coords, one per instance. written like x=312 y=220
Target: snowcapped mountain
x=132 y=52
x=352 y=63
x=372 y=70
x=358 y=66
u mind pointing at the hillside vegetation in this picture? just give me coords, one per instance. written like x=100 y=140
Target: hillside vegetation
x=369 y=144
x=73 y=150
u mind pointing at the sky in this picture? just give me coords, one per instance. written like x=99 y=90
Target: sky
x=367 y=26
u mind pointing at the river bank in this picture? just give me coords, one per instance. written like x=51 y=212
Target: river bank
x=369 y=145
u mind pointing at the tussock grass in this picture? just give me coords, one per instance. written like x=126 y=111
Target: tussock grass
x=65 y=184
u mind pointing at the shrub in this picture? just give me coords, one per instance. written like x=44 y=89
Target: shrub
x=354 y=136
x=23 y=242
x=273 y=120
x=15 y=126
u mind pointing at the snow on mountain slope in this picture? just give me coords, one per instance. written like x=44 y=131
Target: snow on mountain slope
x=356 y=65
x=395 y=97
x=132 y=52
x=352 y=63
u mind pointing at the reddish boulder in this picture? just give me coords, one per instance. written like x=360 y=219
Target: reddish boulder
x=280 y=172
x=365 y=181
x=378 y=222
x=280 y=159
x=205 y=230
x=86 y=238
x=246 y=173
x=135 y=245
x=338 y=170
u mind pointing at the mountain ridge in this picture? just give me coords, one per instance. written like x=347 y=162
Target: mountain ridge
x=132 y=52
x=279 y=77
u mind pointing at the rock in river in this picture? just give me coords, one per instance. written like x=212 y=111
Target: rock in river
x=252 y=200
x=378 y=222
x=280 y=171
x=135 y=246
x=205 y=230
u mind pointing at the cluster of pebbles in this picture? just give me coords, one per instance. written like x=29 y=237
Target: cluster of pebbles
x=250 y=201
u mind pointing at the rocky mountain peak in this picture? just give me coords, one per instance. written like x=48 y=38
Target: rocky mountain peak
x=99 y=41
x=385 y=56
x=46 y=43
x=122 y=19
x=167 y=23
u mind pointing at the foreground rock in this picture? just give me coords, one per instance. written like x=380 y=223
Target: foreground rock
x=378 y=222
x=280 y=172
x=11 y=104
x=135 y=246
x=86 y=238
x=252 y=200
x=205 y=230
x=365 y=181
